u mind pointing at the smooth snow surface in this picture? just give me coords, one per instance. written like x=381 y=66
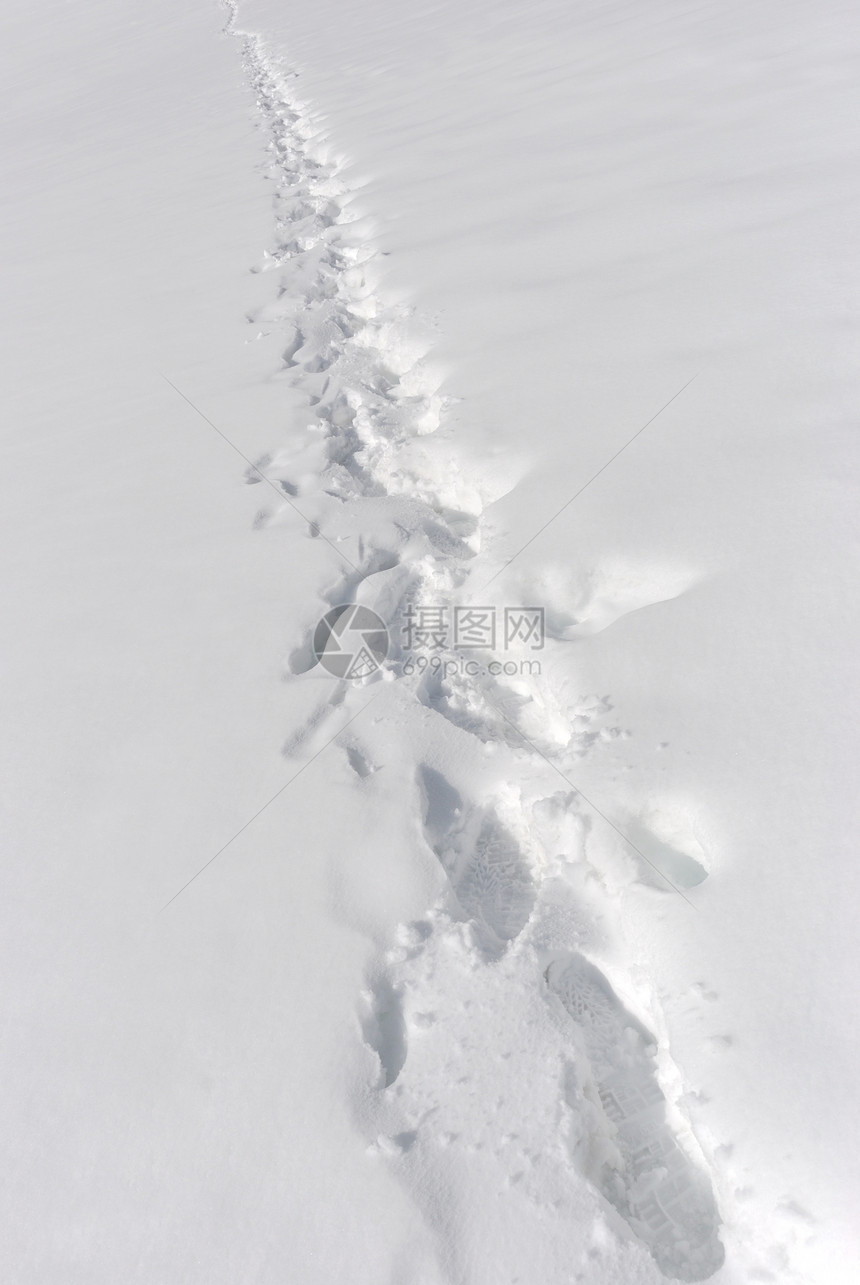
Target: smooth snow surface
x=531 y=958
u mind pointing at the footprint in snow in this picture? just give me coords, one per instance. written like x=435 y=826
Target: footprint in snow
x=489 y=875
x=654 y=1184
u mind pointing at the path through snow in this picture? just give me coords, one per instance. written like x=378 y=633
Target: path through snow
x=377 y=475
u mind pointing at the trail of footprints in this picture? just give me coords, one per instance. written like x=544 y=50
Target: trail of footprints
x=372 y=402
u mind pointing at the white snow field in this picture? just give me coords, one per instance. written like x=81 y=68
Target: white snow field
x=500 y=931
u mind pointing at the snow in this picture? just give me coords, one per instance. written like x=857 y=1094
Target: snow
x=444 y=974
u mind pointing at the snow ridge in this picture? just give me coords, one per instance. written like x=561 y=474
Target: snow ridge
x=378 y=475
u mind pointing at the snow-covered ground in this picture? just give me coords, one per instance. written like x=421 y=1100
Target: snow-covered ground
x=525 y=958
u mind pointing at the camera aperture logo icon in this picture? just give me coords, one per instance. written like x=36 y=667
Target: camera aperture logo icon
x=351 y=641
